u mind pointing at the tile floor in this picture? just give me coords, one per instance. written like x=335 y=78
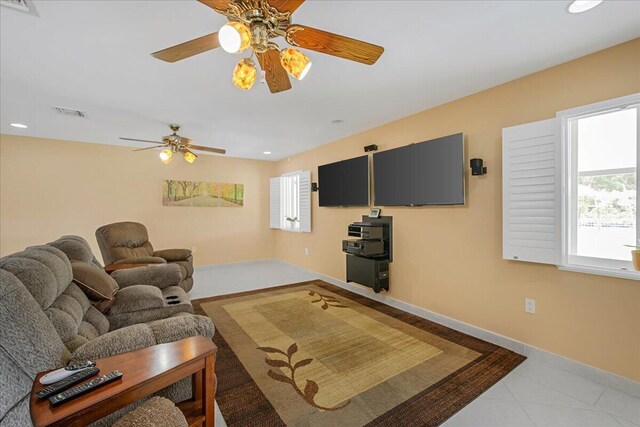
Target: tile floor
x=533 y=395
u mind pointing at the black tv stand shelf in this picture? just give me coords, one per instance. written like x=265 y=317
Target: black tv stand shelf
x=368 y=258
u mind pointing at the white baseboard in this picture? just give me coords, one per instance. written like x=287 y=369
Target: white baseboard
x=594 y=374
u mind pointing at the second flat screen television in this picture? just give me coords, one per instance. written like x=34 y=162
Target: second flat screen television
x=428 y=173
x=344 y=183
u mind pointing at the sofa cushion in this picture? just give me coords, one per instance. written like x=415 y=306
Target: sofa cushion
x=45 y=272
x=123 y=240
x=95 y=283
x=137 y=297
x=76 y=249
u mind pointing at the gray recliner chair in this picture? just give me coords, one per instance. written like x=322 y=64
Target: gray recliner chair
x=128 y=243
x=46 y=321
x=145 y=294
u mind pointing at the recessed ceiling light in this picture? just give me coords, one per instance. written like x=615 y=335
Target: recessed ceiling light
x=19 y=125
x=337 y=121
x=266 y=152
x=579 y=6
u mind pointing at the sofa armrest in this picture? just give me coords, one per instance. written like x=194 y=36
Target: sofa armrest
x=123 y=340
x=181 y=326
x=173 y=254
x=141 y=260
x=160 y=276
x=136 y=337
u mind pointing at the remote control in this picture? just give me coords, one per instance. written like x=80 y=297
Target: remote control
x=67 y=382
x=81 y=389
x=62 y=373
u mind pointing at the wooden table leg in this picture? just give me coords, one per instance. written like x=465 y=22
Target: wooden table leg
x=208 y=391
x=196 y=385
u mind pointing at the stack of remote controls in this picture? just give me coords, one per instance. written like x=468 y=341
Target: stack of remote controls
x=59 y=381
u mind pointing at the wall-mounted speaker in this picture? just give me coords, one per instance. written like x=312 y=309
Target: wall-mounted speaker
x=477 y=168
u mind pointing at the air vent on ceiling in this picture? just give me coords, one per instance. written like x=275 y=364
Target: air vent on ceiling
x=69 y=112
x=25 y=6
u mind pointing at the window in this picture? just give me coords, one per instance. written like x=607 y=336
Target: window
x=291 y=202
x=570 y=194
x=601 y=151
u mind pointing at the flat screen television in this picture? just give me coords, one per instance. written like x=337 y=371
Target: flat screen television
x=344 y=183
x=427 y=173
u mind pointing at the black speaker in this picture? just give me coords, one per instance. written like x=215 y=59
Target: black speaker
x=372 y=147
x=477 y=168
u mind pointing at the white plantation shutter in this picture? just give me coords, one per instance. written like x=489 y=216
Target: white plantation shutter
x=305 y=201
x=531 y=192
x=275 y=210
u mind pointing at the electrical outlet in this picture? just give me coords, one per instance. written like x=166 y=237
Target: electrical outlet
x=306 y=251
x=530 y=305
x=193 y=249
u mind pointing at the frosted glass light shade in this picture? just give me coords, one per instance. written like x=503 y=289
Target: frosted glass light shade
x=579 y=6
x=244 y=75
x=234 y=37
x=295 y=62
x=166 y=155
x=189 y=156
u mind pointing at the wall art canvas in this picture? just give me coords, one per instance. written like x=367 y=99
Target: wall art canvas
x=202 y=194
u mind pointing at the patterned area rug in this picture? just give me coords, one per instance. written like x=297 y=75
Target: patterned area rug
x=313 y=354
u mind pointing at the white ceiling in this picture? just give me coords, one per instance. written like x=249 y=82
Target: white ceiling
x=94 y=56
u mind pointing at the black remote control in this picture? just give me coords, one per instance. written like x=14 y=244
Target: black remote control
x=76 y=391
x=64 y=384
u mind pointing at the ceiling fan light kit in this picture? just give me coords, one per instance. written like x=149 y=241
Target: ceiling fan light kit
x=166 y=155
x=295 y=62
x=244 y=75
x=253 y=24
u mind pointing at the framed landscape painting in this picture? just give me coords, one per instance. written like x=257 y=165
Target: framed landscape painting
x=202 y=194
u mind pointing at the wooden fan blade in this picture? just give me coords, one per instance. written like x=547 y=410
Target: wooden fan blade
x=209 y=149
x=286 y=5
x=216 y=4
x=276 y=75
x=333 y=44
x=149 y=148
x=188 y=49
x=142 y=140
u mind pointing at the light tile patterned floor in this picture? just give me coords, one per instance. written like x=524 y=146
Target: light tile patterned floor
x=533 y=395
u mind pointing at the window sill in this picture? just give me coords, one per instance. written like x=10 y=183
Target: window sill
x=600 y=271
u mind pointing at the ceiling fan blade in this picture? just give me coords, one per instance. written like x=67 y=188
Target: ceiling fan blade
x=188 y=49
x=149 y=148
x=209 y=149
x=216 y=4
x=142 y=140
x=333 y=44
x=276 y=75
x=286 y=5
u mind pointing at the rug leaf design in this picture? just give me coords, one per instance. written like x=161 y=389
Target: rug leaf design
x=327 y=300
x=311 y=388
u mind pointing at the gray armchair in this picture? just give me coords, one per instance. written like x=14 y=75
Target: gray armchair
x=128 y=243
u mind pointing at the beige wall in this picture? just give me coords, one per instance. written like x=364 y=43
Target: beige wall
x=50 y=188
x=449 y=259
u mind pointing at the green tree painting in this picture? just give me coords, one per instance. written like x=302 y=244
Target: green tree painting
x=202 y=194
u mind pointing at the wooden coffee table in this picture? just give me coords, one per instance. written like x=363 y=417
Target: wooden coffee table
x=144 y=372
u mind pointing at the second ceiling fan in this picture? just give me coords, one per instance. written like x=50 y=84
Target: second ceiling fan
x=252 y=24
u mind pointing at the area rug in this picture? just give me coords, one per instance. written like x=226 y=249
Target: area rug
x=313 y=354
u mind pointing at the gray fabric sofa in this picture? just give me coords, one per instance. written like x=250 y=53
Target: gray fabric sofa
x=128 y=243
x=46 y=321
x=146 y=293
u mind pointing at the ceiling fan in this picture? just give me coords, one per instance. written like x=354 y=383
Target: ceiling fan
x=252 y=24
x=175 y=143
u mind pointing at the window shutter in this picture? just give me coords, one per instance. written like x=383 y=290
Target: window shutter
x=275 y=215
x=531 y=192
x=305 y=201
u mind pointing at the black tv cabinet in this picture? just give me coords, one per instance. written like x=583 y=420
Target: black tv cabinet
x=372 y=271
